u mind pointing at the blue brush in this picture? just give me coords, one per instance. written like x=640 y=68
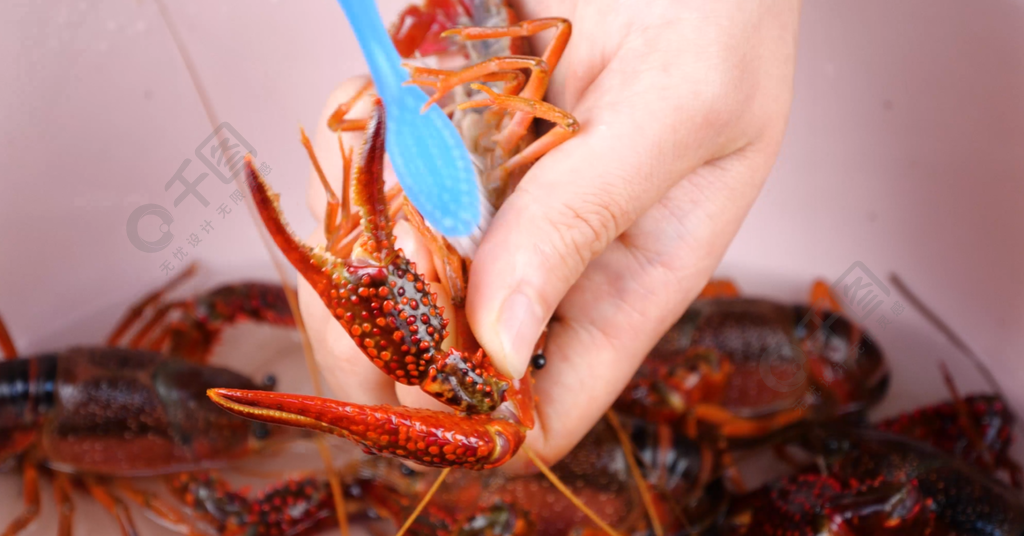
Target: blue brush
x=429 y=157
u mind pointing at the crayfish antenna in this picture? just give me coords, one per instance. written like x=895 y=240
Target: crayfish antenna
x=634 y=469
x=423 y=502
x=560 y=486
x=964 y=416
x=340 y=503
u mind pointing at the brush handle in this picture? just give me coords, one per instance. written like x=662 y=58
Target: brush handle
x=427 y=152
x=384 y=61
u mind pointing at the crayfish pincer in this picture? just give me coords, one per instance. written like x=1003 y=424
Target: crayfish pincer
x=387 y=308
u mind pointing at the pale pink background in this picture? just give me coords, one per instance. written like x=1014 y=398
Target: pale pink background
x=903 y=152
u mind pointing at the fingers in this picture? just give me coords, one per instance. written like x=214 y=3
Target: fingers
x=567 y=209
x=631 y=294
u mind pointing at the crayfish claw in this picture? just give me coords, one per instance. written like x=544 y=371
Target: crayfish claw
x=313 y=263
x=426 y=437
x=378 y=241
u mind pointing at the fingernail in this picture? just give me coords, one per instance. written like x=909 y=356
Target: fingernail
x=519 y=325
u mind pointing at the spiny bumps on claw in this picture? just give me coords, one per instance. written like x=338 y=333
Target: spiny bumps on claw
x=376 y=295
x=391 y=315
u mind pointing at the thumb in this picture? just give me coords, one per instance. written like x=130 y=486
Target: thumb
x=565 y=212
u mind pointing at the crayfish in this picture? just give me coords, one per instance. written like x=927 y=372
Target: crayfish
x=735 y=372
x=492 y=503
x=748 y=367
x=97 y=415
x=874 y=482
x=977 y=429
x=376 y=293
x=931 y=471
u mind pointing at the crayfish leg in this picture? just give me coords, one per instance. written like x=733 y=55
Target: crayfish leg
x=17 y=442
x=451 y=267
x=65 y=505
x=144 y=338
x=500 y=69
x=527 y=28
x=427 y=437
x=138 y=309
x=338 y=121
x=822 y=298
x=731 y=426
x=6 y=343
x=566 y=125
x=719 y=288
x=537 y=85
x=157 y=507
x=30 y=493
x=114 y=505
x=732 y=472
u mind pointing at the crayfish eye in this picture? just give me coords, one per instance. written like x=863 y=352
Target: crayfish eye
x=260 y=431
x=269 y=382
x=538 y=361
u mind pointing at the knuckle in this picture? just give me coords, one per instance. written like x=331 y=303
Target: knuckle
x=582 y=228
x=716 y=99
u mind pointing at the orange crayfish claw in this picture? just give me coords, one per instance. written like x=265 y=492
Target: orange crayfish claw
x=427 y=437
x=388 y=310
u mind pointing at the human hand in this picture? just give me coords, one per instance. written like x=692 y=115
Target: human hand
x=682 y=106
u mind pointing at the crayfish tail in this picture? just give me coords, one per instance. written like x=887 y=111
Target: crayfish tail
x=427 y=437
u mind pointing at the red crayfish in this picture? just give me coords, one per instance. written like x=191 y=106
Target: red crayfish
x=735 y=371
x=94 y=415
x=874 y=482
x=748 y=367
x=378 y=296
x=931 y=472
